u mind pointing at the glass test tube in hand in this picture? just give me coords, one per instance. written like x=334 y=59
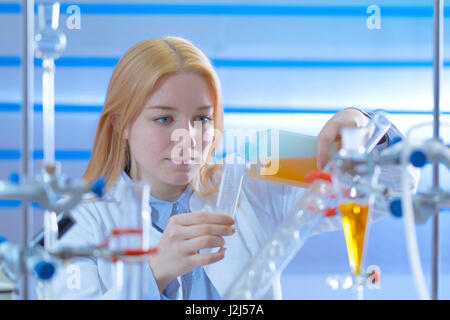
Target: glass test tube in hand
x=230 y=187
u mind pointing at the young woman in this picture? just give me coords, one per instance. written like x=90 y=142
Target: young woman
x=160 y=86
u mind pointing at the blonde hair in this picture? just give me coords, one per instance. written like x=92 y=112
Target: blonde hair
x=133 y=79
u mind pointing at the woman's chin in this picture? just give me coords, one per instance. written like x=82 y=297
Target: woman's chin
x=179 y=179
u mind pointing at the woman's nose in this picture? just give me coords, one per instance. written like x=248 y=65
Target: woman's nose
x=193 y=131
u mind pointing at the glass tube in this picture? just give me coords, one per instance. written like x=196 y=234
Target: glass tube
x=49 y=43
x=133 y=234
x=230 y=188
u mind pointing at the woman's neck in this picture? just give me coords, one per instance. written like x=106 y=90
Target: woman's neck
x=167 y=192
x=161 y=191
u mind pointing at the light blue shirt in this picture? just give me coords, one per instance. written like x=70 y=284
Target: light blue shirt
x=196 y=284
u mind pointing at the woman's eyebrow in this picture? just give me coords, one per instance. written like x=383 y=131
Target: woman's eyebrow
x=205 y=108
x=161 y=107
x=173 y=108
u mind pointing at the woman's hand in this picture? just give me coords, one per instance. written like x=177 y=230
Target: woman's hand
x=330 y=133
x=184 y=235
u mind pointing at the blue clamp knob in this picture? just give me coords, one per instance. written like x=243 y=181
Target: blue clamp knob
x=3 y=239
x=44 y=270
x=98 y=186
x=396 y=207
x=418 y=158
x=14 y=178
x=395 y=140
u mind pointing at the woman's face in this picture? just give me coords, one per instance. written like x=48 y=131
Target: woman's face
x=172 y=136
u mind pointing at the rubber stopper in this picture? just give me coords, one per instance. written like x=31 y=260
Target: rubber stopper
x=396 y=207
x=97 y=187
x=44 y=270
x=418 y=158
x=395 y=140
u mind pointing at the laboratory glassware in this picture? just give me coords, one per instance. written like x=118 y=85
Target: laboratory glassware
x=132 y=235
x=318 y=201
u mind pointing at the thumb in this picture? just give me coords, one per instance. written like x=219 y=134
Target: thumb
x=324 y=141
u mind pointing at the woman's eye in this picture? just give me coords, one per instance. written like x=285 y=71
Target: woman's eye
x=162 y=120
x=204 y=119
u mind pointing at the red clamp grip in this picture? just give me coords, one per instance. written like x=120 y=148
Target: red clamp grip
x=318 y=174
x=330 y=212
x=119 y=232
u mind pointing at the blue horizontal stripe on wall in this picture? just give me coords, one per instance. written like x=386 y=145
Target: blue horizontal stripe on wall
x=10 y=203
x=15 y=107
x=12 y=154
x=75 y=155
x=5 y=204
x=240 y=10
x=10 y=8
x=110 y=62
x=72 y=108
x=65 y=154
x=8 y=61
x=251 y=63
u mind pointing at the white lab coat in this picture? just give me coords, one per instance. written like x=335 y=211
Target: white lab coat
x=262 y=206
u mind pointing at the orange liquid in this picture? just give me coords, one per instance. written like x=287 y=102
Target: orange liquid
x=354 y=221
x=291 y=171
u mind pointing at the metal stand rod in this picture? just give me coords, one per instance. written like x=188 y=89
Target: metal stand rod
x=437 y=72
x=27 y=118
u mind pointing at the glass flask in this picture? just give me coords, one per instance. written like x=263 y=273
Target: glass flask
x=292 y=156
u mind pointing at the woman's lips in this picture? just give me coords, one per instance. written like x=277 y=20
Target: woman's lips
x=182 y=163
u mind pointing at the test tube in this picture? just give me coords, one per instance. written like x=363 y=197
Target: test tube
x=230 y=186
x=133 y=233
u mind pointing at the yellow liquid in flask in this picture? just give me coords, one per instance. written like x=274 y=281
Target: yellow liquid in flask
x=291 y=171
x=354 y=221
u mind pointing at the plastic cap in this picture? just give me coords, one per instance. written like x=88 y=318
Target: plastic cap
x=44 y=270
x=3 y=239
x=97 y=187
x=395 y=140
x=14 y=177
x=418 y=158
x=396 y=207
x=353 y=139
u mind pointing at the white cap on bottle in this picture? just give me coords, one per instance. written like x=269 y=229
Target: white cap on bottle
x=354 y=139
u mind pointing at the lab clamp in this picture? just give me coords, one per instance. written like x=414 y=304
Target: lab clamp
x=57 y=195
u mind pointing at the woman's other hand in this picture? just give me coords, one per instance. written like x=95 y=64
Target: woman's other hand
x=184 y=236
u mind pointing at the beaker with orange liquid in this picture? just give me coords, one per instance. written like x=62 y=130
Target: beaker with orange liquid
x=283 y=156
